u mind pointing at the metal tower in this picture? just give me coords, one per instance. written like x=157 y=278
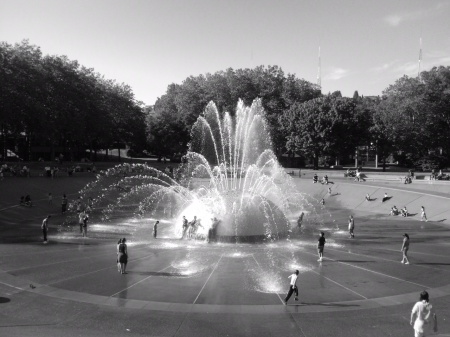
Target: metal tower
x=319 y=77
x=420 y=60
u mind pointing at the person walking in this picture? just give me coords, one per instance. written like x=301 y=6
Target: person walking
x=405 y=248
x=351 y=226
x=321 y=246
x=44 y=227
x=155 y=229
x=292 y=287
x=423 y=215
x=64 y=204
x=422 y=315
x=123 y=256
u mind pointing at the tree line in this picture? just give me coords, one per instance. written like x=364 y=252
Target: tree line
x=56 y=102
x=51 y=104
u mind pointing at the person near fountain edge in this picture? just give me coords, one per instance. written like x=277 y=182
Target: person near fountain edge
x=292 y=287
x=123 y=256
x=185 y=228
x=321 y=246
x=300 y=220
x=155 y=229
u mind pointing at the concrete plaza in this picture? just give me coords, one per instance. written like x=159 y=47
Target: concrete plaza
x=71 y=287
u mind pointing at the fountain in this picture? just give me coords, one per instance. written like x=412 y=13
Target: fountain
x=229 y=174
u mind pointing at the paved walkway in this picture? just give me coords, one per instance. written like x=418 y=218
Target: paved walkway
x=179 y=288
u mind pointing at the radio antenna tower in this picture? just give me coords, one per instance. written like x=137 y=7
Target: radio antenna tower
x=319 y=79
x=420 y=60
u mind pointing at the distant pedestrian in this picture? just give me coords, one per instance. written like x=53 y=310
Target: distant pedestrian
x=321 y=246
x=155 y=229
x=292 y=287
x=329 y=190
x=322 y=202
x=44 y=227
x=184 y=228
x=351 y=226
x=423 y=215
x=64 y=204
x=405 y=248
x=422 y=315
x=123 y=256
x=50 y=198
x=85 y=221
x=300 y=220
x=118 y=263
x=81 y=221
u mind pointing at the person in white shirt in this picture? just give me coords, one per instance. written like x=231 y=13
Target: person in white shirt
x=292 y=287
x=422 y=315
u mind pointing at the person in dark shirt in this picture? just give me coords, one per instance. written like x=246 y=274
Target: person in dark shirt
x=321 y=245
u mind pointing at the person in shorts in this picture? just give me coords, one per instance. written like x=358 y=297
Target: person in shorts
x=423 y=215
x=351 y=226
x=405 y=248
x=321 y=246
x=423 y=317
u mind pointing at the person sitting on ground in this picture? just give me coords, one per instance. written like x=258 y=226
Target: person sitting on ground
x=358 y=176
x=394 y=210
x=368 y=197
x=28 y=201
x=404 y=212
x=315 y=178
x=385 y=197
x=325 y=180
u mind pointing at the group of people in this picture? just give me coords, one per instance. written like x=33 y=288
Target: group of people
x=26 y=201
x=189 y=228
x=324 y=179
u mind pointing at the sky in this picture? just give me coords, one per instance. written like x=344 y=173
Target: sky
x=149 y=44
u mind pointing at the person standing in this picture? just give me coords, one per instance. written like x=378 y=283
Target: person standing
x=50 y=199
x=123 y=256
x=321 y=246
x=405 y=248
x=118 y=263
x=421 y=315
x=351 y=226
x=64 y=204
x=81 y=221
x=44 y=227
x=185 y=228
x=300 y=220
x=292 y=287
x=155 y=229
x=423 y=215
x=85 y=221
